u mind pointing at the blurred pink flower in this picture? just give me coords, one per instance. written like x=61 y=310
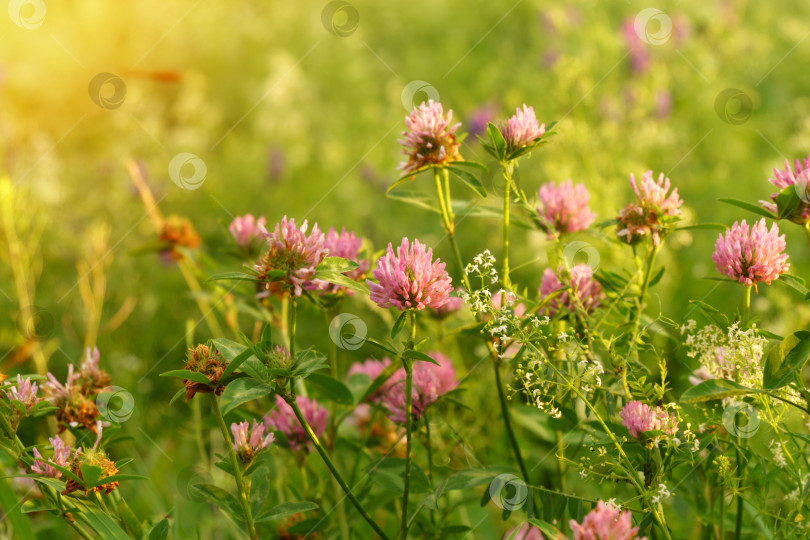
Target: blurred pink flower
x=283 y=419
x=699 y=375
x=605 y=523
x=410 y=279
x=753 y=255
x=653 y=210
x=453 y=304
x=639 y=57
x=245 y=229
x=522 y=128
x=294 y=253
x=430 y=381
x=586 y=289
x=61 y=456
x=430 y=138
x=479 y=119
x=565 y=207
x=25 y=392
x=524 y=532
x=249 y=442
x=373 y=368
x=639 y=417
x=799 y=177
x=346 y=245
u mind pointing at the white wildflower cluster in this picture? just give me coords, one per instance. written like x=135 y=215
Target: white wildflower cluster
x=483 y=266
x=662 y=494
x=794 y=495
x=689 y=439
x=735 y=355
x=778 y=454
x=535 y=378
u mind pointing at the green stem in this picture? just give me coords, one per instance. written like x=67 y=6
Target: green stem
x=291 y=314
x=407 y=365
x=325 y=457
x=237 y=467
x=740 y=482
x=442 y=179
x=341 y=508
x=507 y=422
x=722 y=513
x=507 y=176
x=747 y=305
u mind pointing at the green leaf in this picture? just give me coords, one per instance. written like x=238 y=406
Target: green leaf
x=20 y=525
x=390 y=474
x=471 y=164
x=103 y=524
x=91 y=475
x=221 y=498
x=35 y=505
x=794 y=282
x=715 y=389
x=344 y=281
x=307 y=362
x=235 y=363
x=336 y=264
x=468 y=478
x=416 y=355
x=793 y=352
x=177 y=395
x=241 y=391
x=471 y=181
x=286 y=509
x=186 y=374
x=748 y=206
x=259 y=486
x=229 y=349
x=381 y=346
x=160 y=531
x=233 y=276
x=787 y=201
x=399 y=324
x=497 y=140
x=549 y=530
x=331 y=388
x=713 y=314
x=414 y=198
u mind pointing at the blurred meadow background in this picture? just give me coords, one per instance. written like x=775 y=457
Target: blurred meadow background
x=295 y=109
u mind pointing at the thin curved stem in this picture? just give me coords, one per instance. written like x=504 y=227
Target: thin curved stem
x=237 y=468
x=507 y=421
x=442 y=179
x=408 y=366
x=746 y=305
x=507 y=176
x=331 y=466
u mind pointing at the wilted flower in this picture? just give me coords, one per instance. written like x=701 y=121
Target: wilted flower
x=430 y=138
x=410 y=279
x=347 y=246
x=799 y=178
x=74 y=407
x=587 y=292
x=753 y=255
x=247 y=443
x=522 y=129
x=655 y=209
x=61 y=455
x=92 y=379
x=292 y=256
x=564 y=207
x=430 y=381
x=639 y=417
x=177 y=232
x=208 y=362
x=246 y=229
x=605 y=523
x=524 y=532
x=372 y=368
x=94 y=458
x=283 y=419
x=25 y=392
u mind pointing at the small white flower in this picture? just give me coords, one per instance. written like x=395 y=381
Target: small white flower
x=563 y=337
x=583 y=473
x=613 y=504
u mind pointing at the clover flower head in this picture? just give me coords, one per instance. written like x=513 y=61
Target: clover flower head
x=564 y=207
x=410 y=278
x=605 y=523
x=430 y=382
x=522 y=129
x=247 y=442
x=246 y=229
x=587 y=292
x=283 y=420
x=61 y=456
x=292 y=256
x=751 y=255
x=653 y=211
x=430 y=139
